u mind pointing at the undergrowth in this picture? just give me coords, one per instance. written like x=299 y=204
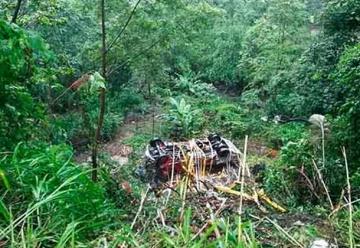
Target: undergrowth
x=49 y=200
x=270 y=61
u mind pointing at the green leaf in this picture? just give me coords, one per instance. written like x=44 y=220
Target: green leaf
x=96 y=82
x=4 y=211
x=4 y=179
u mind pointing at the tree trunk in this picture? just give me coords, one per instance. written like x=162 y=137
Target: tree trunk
x=101 y=96
x=16 y=13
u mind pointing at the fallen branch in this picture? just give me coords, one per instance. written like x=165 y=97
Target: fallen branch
x=234 y=192
x=266 y=199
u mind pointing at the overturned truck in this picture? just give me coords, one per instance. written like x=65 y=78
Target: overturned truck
x=165 y=161
x=201 y=161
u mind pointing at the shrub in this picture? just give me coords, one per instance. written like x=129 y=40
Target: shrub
x=112 y=121
x=284 y=180
x=126 y=100
x=233 y=119
x=190 y=85
x=48 y=194
x=347 y=122
x=183 y=120
x=20 y=113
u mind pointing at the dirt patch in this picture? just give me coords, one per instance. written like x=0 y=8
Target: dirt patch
x=259 y=149
x=118 y=151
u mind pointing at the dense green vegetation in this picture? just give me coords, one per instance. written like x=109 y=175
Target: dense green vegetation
x=177 y=69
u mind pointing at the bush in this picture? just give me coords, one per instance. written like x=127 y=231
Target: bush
x=190 y=85
x=183 y=120
x=20 y=113
x=284 y=178
x=347 y=122
x=228 y=119
x=233 y=119
x=126 y=100
x=49 y=194
x=112 y=121
x=79 y=124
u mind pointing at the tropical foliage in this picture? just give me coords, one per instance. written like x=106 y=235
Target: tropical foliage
x=176 y=69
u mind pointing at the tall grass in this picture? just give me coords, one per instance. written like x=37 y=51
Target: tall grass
x=51 y=202
x=218 y=234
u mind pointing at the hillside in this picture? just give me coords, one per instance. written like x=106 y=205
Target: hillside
x=176 y=123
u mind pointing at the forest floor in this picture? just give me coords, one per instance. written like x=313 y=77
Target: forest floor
x=115 y=148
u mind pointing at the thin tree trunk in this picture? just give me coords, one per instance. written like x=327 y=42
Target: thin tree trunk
x=102 y=95
x=16 y=13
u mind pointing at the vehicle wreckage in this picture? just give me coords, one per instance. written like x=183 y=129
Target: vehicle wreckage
x=164 y=161
x=210 y=164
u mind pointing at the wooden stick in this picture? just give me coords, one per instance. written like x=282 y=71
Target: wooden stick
x=351 y=236
x=233 y=192
x=242 y=190
x=212 y=217
x=140 y=207
x=273 y=204
x=287 y=235
x=323 y=184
